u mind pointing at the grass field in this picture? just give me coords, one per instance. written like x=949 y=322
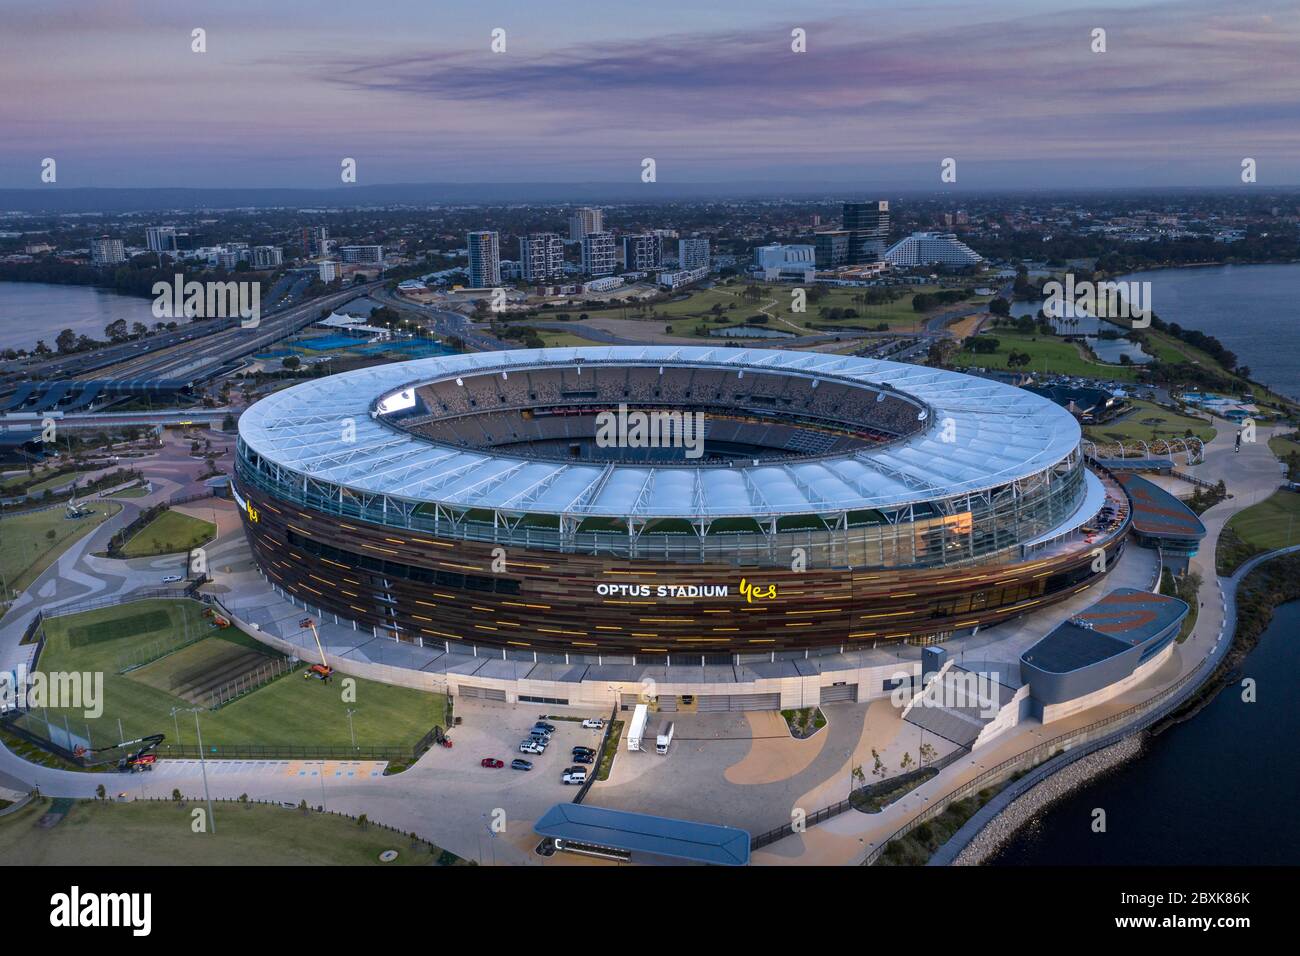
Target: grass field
x=1272 y=523
x=290 y=711
x=26 y=547
x=169 y=533
x=1149 y=422
x=1047 y=353
x=157 y=833
x=138 y=491
x=735 y=308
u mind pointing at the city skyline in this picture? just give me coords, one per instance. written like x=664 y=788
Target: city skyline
x=1182 y=94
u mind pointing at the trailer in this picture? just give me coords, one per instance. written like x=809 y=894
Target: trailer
x=636 y=728
x=665 y=738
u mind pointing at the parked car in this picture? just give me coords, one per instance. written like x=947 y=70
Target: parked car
x=583 y=750
x=543 y=725
x=594 y=723
x=492 y=763
x=584 y=758
x=575 y=775
x=172 y=579
x=520 y=764
x=529 y=747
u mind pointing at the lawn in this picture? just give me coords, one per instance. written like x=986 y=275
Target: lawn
x=27 y=548
x=56 y=482
x=1149 y=422
x=136 y=491
x=169 y=533
x=288 y=712
x=157 y=833
x=1265 y=526
x=736 y=308
x=1047 y=353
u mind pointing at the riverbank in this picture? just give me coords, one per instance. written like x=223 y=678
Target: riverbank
x=1023 y=809
x=1272 y=583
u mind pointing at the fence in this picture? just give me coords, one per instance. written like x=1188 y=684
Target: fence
x=143 y=594
x=1149 y=711
x=246 y=683
x=600 y=755
x=835 y=809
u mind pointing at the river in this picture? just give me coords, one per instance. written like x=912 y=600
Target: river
x=35 y=310
x=1216 y=790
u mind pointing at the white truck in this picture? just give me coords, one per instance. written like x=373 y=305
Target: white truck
x=664 y=739
x=636 y=728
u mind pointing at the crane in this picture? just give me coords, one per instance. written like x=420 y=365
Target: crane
x=321 y=671
x=139 y=759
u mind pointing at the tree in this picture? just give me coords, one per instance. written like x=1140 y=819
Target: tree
x=290 y=362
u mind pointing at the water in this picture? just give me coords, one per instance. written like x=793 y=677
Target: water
x=1108 y=350
x=32 y=310
x=1215 y=790
x=1253 y=310
x=751 y=332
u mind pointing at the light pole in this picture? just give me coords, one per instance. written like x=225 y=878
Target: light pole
x=351 y=731
x=203 y=765
x=177 y=724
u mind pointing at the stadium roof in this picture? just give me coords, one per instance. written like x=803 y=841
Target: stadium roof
x=1157 y=513
x=643 y=833
x=998 y=434
x=1124 y=618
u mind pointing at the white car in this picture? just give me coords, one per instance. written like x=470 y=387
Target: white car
x=594 y=723
x=172 y=579
x=575 y=775
x=529 y=747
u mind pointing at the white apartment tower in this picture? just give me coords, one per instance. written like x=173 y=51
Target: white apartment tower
x=598 y=254
x=541 y=257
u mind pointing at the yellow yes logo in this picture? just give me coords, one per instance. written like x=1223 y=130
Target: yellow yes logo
x=754 y=592
x=252 y=513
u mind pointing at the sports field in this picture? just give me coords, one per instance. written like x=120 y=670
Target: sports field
x=169 y=533
x=290 y=711
x=149 y=833
x=27 y=547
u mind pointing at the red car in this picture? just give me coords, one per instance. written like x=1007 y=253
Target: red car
x=492 y=762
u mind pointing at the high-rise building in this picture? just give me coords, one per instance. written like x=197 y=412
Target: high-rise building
x=781 y=263
x=329 y=270
x=370 y=255
x=105 y=251
x=585 y=221
x=598 y=257
x=315 y=240
x=541 y=257
x=484 y=259
x=692 y=254
x=832 y=248
x=642 y=253
x=867 y=224
x=267 y=257
x=161 y=238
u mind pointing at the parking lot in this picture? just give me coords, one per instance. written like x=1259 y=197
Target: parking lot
x=466 y=795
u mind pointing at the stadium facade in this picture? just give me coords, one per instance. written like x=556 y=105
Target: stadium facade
x=466 y=501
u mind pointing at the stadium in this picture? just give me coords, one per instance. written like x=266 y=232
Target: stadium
x=782 y=503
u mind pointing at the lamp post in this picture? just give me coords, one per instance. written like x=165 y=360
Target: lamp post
x=351 y=731
x=203 y=765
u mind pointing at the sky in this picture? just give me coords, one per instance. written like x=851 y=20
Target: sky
x=712 y=91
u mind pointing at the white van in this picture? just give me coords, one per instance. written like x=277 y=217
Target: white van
x=594 y=723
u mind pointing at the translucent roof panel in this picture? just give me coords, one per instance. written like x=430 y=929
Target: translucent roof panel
x=977 y=434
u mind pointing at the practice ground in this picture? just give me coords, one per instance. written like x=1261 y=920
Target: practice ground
x=290 y=711
x=169 y=533
x=1272 y=523
x=26 y=549
x=147 y=833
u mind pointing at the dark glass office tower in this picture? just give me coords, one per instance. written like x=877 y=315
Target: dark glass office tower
x=867 y=224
